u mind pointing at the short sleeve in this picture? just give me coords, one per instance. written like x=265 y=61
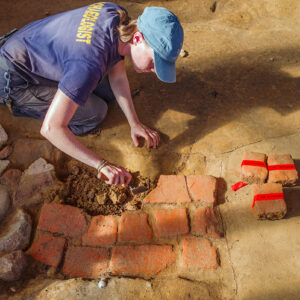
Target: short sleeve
x=79 y=79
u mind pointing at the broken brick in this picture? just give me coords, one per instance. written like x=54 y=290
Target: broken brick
x=198 y=253
x=170 y=189
x=102 y=231
x=48 y=249
x=86 y=262
x=170 y=222
x=206 y=222
x=255 y=170
x=65 y=219
x=202 y=188
x=134 y=228
x=272 y=208
x=282 y=169
x=142 y=261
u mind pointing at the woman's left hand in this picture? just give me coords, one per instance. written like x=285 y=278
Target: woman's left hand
x=151 y=136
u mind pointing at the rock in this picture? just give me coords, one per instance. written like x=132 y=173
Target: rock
x=39 y=166
x=26 y=151
x=4 y=201
x=15 y=231
x=183 y=53
x=39 y=175
x=12 y=265
x=3 y=136
x=5 y=152
x=3 y=165
x=11 y=178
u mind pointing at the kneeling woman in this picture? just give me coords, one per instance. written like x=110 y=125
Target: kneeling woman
x=65 y=68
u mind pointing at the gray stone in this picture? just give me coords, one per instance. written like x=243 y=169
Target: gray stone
x=4 y=201
x=12 y=265
x=35 y=179
x=15 y=231
x=39 y=166
x=3 y=136
x=27 y=150
x=5 y=152
x=3 y=165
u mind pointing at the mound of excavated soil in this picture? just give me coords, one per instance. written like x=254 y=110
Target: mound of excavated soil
x=84 y=190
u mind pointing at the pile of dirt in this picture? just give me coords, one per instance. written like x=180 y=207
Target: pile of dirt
x=83 y=189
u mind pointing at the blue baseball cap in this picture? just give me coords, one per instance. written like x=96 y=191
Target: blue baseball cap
x=163 y=32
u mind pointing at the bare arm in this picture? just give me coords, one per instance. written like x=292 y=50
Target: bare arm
x=120 y=86
x=55 y=129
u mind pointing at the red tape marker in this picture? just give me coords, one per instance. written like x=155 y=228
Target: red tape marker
x=265 y=197
x=282 y=167
x=238 y=185
x=254 y=163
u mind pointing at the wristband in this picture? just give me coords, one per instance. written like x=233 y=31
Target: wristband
x=101 y=166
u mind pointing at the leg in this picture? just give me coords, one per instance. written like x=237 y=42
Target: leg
x=89 y=116
x=104 y=91
x=34 y=102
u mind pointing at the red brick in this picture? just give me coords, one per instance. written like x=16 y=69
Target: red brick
x=269 y=209
x=86 y=262
x=253 y=174
x=102 y=231
x=206 y=222
x=134 y=228
x=67 y=220
x=203 y=188
x=198 y=253
x=142 y=261
x=48 y=249
x=170 y=222
x=285 y=177
x=170 y=189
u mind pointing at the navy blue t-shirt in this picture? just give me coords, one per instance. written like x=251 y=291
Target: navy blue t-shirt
x=74 y=48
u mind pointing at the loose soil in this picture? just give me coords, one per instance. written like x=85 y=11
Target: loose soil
x=83 y=189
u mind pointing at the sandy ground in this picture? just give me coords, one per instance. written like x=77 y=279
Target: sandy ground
x=238 y=90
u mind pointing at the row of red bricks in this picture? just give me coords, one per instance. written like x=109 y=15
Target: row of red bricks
x=105 y=231
x=184 y=189
x=138 y=260
x=133 y=226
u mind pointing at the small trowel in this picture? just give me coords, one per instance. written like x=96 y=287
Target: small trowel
x=134 y=190
x=138 y=189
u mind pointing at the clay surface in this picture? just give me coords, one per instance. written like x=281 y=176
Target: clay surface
x=237 y=91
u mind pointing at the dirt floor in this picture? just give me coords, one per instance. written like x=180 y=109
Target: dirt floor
x=237 y=90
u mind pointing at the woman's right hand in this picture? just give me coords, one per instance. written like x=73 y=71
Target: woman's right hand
x=114 y=175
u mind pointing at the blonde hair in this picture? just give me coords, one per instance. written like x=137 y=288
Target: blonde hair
x=127 y=27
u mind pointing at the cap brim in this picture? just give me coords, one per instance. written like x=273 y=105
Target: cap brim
x=165 y=70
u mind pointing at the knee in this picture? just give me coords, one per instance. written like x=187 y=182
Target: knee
x=101 y=111
x=88 y=116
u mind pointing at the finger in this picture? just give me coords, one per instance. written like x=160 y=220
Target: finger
x=157 y=138
x=121 y=177
x=135 y=140
x=148 y=139
x=154 y=139
x=153 y=142
x=115 y=179
x=128 y=178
